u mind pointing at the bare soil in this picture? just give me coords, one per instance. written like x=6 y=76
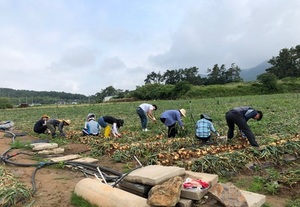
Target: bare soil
x=54 y=186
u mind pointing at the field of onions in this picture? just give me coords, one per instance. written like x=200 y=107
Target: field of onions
x=277 y=133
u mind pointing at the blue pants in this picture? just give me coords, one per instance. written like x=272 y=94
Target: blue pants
x=143 y=117
x=101 y=122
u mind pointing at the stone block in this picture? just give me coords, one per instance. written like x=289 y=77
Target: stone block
x=54 y=151
x=167 y=193
x=86 y=160
x=185 y=203
x=141 y=188
x=144 y=195
x=193 y=193
x=254 y=199
x=154 y=174
x=196 y=193
x=43 y=146
x=65 y=158
x=228 y=194
x=212 y=179
x=101 y=194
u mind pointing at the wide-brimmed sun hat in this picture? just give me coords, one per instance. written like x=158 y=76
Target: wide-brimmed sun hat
x=45 y=116
x=68 y=121
x=183 y=112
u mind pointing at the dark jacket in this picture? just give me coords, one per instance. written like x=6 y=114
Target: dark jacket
x=56 y=123
x=246 y=111
x=240 y=116
x=40 y=126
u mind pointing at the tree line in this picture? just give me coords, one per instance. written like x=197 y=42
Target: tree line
x=17 y=97
x=286 y=64
x=176 y=83
x=216 y=75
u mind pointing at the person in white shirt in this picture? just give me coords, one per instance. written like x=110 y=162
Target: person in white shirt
x=146 y=110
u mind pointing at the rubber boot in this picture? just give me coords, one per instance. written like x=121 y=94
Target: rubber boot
x=107 y=131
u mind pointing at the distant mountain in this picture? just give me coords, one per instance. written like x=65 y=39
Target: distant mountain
x=41 y=97
x=251 y=73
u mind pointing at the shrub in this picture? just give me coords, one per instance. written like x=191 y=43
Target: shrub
x=5 y=103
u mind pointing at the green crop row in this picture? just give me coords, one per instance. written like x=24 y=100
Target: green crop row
x=281 y=114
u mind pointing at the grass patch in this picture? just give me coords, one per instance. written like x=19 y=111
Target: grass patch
x=78 y=201
x=293 y=203
x=59 y=140
x=257 y=185
x=264 y=185
x=266 y=205
x=17 y=144
x=11 y=190
x=223 y=179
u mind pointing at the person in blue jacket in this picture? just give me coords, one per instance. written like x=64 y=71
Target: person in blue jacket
x=239 y=116
x=91 y=126
x=170 y=117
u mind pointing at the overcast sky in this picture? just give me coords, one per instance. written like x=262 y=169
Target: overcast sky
x=84 y=46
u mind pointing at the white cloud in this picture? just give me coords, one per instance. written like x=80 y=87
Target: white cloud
x=84 y=46
x=78 y=57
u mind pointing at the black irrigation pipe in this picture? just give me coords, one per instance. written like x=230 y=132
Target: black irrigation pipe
x=2 y=157
x=123 y=176
x=89 y=168
x=4 y=153
x=41 y=165
x=13 y=135
x=84 y=167
x=18 y=153
x=117 y=179
x=93 y=170
x=95 y=166
x=5 y=158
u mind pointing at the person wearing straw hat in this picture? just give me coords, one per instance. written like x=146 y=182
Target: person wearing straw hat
x=204 y=127
x=40 y=126
x=170 y=117
x=59 y=123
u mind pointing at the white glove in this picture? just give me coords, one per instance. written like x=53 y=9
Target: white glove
x=218 y=134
